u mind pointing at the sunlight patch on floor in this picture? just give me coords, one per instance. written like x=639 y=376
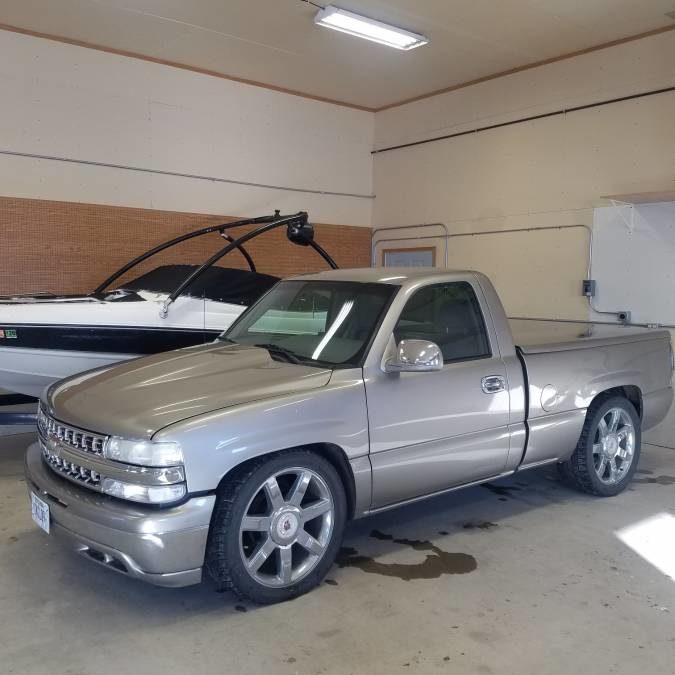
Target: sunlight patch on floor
x=654 y=540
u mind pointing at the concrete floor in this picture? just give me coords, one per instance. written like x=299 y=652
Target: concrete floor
x=553 y=591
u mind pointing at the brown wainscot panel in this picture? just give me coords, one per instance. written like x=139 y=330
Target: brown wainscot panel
x=67 y=247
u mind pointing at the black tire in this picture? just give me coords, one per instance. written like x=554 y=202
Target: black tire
x=224 y=561
x=579 y=471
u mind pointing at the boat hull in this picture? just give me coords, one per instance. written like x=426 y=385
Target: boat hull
x=44 y=340
x=28 y=371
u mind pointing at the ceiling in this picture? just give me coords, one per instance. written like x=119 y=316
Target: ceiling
x=275 y=42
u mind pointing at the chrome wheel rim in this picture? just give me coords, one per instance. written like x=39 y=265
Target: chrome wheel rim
x=286 y=527
x=614 y=446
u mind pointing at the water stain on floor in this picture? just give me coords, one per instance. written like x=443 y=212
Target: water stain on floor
x=436 y=563
x=658 y=480
x=479 y=526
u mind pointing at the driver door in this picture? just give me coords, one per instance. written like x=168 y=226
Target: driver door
x=436 y=430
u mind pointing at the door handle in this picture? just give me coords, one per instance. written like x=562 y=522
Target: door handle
x=491 y=384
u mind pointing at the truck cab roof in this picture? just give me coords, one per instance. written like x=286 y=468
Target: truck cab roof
x=396 y=276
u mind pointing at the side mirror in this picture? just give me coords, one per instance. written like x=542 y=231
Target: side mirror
x=415 y=356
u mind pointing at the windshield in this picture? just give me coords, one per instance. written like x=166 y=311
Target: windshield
x=327 y=322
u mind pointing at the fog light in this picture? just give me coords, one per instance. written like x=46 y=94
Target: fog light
x=146 y=494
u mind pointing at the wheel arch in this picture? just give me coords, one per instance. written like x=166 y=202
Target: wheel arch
x=630 y=392
x=331 y=452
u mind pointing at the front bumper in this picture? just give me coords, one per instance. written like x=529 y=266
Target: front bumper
x=164 y=547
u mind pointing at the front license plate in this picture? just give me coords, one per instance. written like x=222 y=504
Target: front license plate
x=40 y=510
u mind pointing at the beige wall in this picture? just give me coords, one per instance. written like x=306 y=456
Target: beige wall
x=548 y=172
x=543 y=173
x=67 y=101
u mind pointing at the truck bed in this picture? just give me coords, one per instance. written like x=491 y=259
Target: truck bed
x=536 y=337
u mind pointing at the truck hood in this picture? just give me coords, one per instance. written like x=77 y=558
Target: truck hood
x=137 y=398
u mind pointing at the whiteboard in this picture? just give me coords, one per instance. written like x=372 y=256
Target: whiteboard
x=635 y=270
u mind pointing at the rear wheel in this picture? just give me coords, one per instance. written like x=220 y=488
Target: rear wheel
x=277 y=527
x=608 y=450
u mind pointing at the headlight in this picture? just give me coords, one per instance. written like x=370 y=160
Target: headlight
x=159 y=478
x=146 y=494
x=143 y=453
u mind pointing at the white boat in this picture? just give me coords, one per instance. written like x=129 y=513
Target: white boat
x=44 y=338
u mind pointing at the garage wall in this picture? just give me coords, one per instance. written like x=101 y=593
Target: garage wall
x=66 y=101
x=547 y=172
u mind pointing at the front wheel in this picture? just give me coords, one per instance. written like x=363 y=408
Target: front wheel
x=277 y=527
x=608 y=450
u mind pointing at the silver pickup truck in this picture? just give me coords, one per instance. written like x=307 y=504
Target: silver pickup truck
x=337 y=395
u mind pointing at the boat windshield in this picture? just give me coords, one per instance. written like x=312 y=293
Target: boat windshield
x=329 y=323
x=222 y=284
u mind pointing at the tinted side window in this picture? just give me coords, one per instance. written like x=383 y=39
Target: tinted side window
x=450 y=316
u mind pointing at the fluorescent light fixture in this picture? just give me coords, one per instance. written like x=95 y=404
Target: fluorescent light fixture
x=369 y=29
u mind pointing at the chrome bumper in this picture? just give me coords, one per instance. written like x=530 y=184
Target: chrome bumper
x=164 y=547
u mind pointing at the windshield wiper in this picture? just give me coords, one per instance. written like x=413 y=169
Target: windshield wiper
x=276 y=350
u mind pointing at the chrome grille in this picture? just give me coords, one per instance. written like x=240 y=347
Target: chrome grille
x=79 y=474
x=72 y=436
